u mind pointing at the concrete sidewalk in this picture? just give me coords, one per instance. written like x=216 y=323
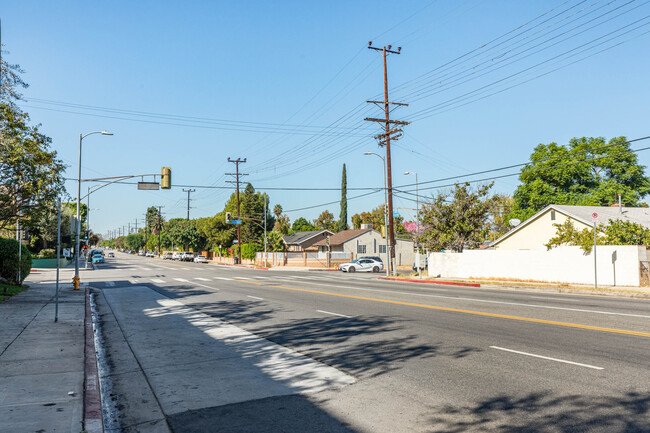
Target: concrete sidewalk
x=42 y=362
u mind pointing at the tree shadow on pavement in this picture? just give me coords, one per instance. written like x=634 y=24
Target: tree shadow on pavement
x=235 y=311
x=545 y=413
x=362 y=345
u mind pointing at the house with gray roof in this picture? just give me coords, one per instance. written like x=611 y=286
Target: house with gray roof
x=537 y=230
x=367 y=242
x=304 y=241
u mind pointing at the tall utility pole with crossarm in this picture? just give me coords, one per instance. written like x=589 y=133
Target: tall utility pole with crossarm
x=391 y=132
x=236 y=181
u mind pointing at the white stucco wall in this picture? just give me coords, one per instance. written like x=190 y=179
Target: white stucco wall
x=563 y=264
x=536 y=233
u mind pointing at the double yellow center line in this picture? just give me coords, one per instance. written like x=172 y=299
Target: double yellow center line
x=458 y=310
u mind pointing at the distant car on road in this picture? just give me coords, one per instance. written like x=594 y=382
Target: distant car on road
x=111 y=254
x=141 y=253
x=362 y=265
x=188 y=256
x=168 y=256
x=176 y=256
x=200 y=259
x=149 y=254
x=98 y=258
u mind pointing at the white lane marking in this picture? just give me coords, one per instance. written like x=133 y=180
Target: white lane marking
x=202 y=279
x=255 y=297
x=242 y=278
x=207 y=287
x=262 y=278
x=110 y=283
x=334 y=314
x=157 y=280
x=133 y=281
x=144 y=269
x=182 y=279
x=548 y=358
x=222 y=278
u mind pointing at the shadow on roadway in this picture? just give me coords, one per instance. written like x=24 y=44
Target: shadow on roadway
x=545 y=413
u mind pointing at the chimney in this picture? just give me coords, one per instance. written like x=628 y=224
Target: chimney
x=620 y=204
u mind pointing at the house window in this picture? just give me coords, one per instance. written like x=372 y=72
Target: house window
x=361 y=249
x=382 y=249
x=552 y=215
x=375 y=250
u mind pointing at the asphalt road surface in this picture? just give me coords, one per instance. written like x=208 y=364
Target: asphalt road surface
x=200 y=348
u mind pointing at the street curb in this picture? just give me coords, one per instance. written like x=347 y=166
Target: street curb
x=444 y=283
x=93 y=422
x=323 y=270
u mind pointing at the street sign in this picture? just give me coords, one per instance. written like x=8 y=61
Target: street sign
x=148 y=185
x=594 y=217
x=395 y=214
x=614 y=256
x=235 y=221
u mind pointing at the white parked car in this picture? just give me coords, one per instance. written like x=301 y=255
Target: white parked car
x=200 y=259
x=362 y=265
x=176 y=255
x=149 y=254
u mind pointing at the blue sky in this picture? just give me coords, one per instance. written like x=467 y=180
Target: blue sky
x=284 y=85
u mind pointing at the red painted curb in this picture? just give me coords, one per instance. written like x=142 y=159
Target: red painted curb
x=445 y=283
x=92 y=398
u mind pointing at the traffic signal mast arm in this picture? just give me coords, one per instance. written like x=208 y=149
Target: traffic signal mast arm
x=116 y=179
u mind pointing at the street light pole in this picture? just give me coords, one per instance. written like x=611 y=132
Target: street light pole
x=386 y=219
x=76 y=255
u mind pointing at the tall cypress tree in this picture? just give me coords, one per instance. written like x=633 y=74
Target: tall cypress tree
x=343 y=217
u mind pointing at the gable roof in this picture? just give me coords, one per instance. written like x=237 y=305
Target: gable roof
x=638 y=215
x=300 y=237
x=342 y=237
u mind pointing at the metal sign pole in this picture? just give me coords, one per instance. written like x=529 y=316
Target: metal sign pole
x=595 y=265
x=58 y=257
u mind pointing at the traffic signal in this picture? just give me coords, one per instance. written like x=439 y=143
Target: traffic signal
x=166 y=178
x=227 y=217
x=85 y=236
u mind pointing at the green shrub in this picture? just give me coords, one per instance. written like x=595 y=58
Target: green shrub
x=9 y=261
x=249 y=251
x=46 y=254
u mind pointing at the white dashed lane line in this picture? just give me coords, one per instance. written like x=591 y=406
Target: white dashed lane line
x=157 y=280
x=256 y=298
x=202 y=279
x=547 y=358
x=334 y=314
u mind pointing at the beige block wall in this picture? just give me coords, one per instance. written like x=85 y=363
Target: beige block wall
x=536 y=233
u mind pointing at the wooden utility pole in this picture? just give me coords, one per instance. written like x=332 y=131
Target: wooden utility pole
x=384 y=139
x=236 y=181
x=188 y=191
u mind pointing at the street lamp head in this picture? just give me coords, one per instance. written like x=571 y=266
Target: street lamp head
x=106 y=133
x=407 y=172
x=367 y=153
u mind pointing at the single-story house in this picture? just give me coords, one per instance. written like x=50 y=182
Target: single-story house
x=367 y=242
x=537 y=230
x=304 y=241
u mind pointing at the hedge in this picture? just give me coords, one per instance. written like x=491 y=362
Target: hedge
x=9 y=261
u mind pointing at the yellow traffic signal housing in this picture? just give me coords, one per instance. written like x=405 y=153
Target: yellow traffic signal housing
x=228 y=216
x=166 y=178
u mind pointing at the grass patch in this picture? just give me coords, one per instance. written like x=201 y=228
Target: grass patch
x=7 y=291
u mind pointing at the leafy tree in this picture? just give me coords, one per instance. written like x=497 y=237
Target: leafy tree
x=356 y=221
x=31 y=176
x=275 y=242
x=498 y=222
x=135 y=241
x=326 y=221
x=216 y=231
x=152 y=221
x=456 y=220
x=250 y=250
x=588 y=171
x=181 y=232
x=281 y=225
x=10 y=81
x=302 y=225
x=343 y=216
x=252 y=213
x=616 y=232
x=277 y=210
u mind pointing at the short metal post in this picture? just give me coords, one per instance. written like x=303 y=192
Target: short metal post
x=58 y=257
x=595 y=265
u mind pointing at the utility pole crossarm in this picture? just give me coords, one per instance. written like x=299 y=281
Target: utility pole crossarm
x=391 y=103
x=396 y=122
